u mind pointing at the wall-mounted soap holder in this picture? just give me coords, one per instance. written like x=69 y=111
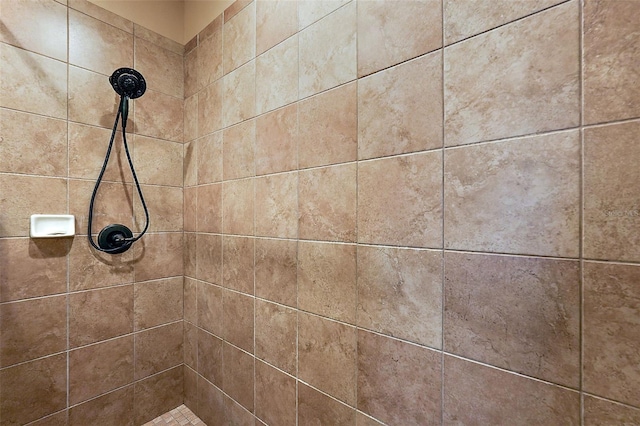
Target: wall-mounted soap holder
x=52 y=225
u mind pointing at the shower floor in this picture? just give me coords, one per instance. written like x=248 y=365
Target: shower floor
x=180 y=416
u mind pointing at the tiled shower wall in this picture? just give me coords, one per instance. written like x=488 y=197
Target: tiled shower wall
x=414 y=212
x=85 y=338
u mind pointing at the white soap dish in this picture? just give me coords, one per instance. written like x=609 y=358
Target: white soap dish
x=52 y=225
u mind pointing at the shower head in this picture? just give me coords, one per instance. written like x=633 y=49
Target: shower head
x=128 y=82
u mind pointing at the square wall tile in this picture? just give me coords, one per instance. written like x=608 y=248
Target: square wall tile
x=89 y=268
x=329 y=127
x=400 y=200
x=277 y=205
x=534 y=310
x=240 y=38
x=238 y=378
x=236 y=414
x=39 y=26
x=398 y=382
x=209 y=208
x=190 y=296
x=317 y=408
x=311 y=11
x=611 y=202
x=158 y=39
x=275 y=395
x=158 y=302
x=190 y=70
x=484 y=395
x=189 y=213
x=101 y=107
x=157 y=162
x=97 y=315
x=277 y=141
x=190 y=344
x=32 y=144
x=238 y=319
x=158 y=349
x=328 y=50
x=599 y=412
x=611 y=60
x=160 y=116
x=210 y=407
x=113 y=204
x=156 y=395
x=277 y=76
x=210 y=108
x=612 y=331
x=31 y=269
x=34 y=389
x=520 y=79
x=162 y=69
x=238 y=150
x=466 y=18
x=276 y=335
x=238 y=202
x=327 y=356
x=190 y=118
x=276 y=266
x=159 y=256
x=400 y=293
x=190 y=255
x=47 y=95
x=209 y=314
x=239 y=94
x=209 y=158
x=275 y=21
x=165 y=207
x=237 y=263
x=101 y=14
x=209 y=62
x=495 y=193
x=400 y=109
x=210 y=357
x=190 y=387
x=209 y=258
x=392 y=32
x=327 y=280
x=116 y=406
x=32 y=329
x=327 y=203
x=189 y=165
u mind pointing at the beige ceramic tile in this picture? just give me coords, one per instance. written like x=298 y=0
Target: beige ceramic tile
x=162 y=69
x=89 y=268
x=317 y=408
x=364 y=420
x=158 y=256
x=100 y=314
x=158 y=162
x=189 y=164
x=32 y=390
x=235 y=8
x=190 y=255
x=101 y=14
x=190 y=387
x=400 y=109
x=191 y=344
x=99 y=108
x=328 y=127
x=210 y=357
x=309 y=11
x=238 y=150
x=156 y=395
x=210 y=308
x=113 y=204
x=190 y=118
x=484 y=395
x=23 y=196
x=276 y=148
x=159 y=116
x=99 y=368
x=327 y=280
x=239 y=94
x=210 y=109
x=115 y=407
x=209 y=258
x=238 y=202
x=211 y=28
x=275 y=21
x=158 y=302
x=277 y=206
x=400 y=201
x=32 y=329
x=398 y=382
x=91 y=44
x=209 y=63
x=46 y=92
x=276 y=334
x=327 y=203
x=400 y=293
x=534 y=306
x=239 y=38
x=209 y=158
x=611 y=205
x=495 y=193
x=277 y=76
x=612 y=331
x=328 y=51
x=39 y=26
x=276 y=270
x=210 y=403
x=465 y=18
x=611 y=60
x=275 y=395
x=158 y=349
x=237 y=263
x=392 y=32
x=327 y=356
x=32 y=268
x=599 y=412
x=191 y=64
x=236 y=414
x=209 y=210
x=32 y=144
x=190 y=300
x=238 y=319
x=517 y=80
x=238 y=378
x=157 y=39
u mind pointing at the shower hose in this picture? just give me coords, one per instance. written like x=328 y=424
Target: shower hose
x=122 y=238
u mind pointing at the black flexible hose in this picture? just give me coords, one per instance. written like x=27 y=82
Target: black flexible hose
x=123 y=111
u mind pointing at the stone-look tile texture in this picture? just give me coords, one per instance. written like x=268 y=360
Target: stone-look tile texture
x=369 y=83
x=68 y=313
x=524 y=78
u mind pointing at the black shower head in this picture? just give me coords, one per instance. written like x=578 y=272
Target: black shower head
x=128 y=82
